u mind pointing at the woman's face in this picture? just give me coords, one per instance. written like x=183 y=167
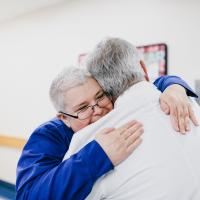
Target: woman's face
x=79 y=97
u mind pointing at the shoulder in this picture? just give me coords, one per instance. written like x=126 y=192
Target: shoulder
x=54 y=123
x=54 y=126
x=53 y=131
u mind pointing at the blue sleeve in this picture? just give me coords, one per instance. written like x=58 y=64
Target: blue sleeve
x=41 y=173
x=165 y=81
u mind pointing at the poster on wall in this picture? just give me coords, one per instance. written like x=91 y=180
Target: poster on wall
x=155 y=59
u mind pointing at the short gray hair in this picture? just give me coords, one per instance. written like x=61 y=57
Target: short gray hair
x=115 y=64
x=68 y=78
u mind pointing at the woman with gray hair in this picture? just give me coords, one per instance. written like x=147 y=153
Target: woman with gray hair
x=79 y=101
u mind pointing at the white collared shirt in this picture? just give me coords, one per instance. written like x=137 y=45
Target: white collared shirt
x=165 y=166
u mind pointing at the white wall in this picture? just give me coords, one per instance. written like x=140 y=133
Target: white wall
x=34 y=47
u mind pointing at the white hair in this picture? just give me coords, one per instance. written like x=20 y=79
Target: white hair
x=68 y=78
x=115 y=64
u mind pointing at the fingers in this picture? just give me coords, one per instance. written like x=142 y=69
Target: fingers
x=181 y=120
x=192 y=116
x=174 y=118
x=175 y=102
x=181 y=116
x=164 y=107
x=126 y=126
x=186 y=118
x=134 y=137
x=134 y=145
x=132 y=130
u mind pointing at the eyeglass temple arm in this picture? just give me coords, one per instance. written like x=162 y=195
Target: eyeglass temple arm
x=68 y=114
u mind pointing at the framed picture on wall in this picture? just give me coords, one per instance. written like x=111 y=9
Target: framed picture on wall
x=155 y=59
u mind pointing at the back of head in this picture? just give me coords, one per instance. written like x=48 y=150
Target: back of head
x=115 y=64
x=68 y=78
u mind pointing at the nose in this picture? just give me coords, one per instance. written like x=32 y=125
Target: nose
x=96 y=110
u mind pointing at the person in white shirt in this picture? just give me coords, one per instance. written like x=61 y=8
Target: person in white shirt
x=166 y=165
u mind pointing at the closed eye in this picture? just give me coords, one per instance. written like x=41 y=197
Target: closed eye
x=100 y=96
x=82 y=108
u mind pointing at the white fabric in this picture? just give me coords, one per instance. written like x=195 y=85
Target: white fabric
x=165 y=166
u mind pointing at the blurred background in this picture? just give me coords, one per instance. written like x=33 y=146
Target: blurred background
x=40 y=37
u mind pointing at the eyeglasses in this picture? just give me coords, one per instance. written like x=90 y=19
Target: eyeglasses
x=102 y=101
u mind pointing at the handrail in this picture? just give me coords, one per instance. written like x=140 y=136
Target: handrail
x=12 y=142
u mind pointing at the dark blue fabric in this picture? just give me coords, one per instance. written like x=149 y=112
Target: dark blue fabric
x=41 y=174
x=164 y=81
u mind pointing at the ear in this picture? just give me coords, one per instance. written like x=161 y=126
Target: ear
x=64 y=119
x=144 y=69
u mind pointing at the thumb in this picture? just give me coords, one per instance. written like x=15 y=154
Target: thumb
x=164 y=107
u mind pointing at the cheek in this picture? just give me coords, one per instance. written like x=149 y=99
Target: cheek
x=105 y=111
x=108 y=108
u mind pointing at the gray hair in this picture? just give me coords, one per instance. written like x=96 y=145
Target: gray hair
x=68 y=78
x=115 y=64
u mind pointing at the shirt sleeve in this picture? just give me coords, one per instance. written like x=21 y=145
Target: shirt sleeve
x=41 y=173
x=165 y=81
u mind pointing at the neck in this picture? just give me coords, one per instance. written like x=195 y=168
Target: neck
x=114 y=98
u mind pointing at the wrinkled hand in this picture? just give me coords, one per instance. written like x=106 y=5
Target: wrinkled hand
x=119 y=143
x=174 y=101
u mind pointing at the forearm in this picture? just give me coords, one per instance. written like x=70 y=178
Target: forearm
x=72 y=179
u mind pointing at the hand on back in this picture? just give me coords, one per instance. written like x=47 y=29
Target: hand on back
x=119 y=143
x=175 y=102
